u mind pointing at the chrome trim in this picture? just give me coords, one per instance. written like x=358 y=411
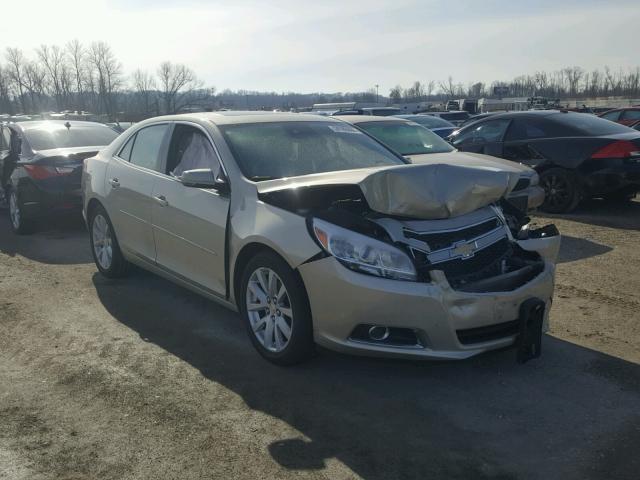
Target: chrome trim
x=477 y=243
x=447 y=230
x=417 y=346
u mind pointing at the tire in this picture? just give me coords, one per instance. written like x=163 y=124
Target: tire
x=291 y=310
x=104 y=245
x=562 y=190
x=19 y=224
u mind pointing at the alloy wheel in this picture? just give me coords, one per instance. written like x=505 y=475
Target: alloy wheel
x=102 y=241
x=557 y=190
x=14 y=210
x=269 y=309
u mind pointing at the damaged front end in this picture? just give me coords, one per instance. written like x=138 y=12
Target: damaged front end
x=478 y=257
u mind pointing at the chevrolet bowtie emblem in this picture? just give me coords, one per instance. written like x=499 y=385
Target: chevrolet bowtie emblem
x=465 y=249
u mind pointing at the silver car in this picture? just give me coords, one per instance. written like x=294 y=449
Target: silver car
x=319 y=234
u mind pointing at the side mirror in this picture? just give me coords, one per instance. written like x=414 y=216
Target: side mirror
x=204 y=178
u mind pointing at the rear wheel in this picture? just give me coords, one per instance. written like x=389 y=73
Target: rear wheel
x=19 y=224
x=562 y=192
x=104 y=245
x=274 y=305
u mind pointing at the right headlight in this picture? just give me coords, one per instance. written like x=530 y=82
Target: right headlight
x=362 y=253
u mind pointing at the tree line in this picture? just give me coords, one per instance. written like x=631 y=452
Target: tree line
x=569 y=82
x=78 y=77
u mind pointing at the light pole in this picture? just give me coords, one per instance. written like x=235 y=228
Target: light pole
x=377 y=96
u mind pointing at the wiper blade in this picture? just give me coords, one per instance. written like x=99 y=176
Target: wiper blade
x=261 y=178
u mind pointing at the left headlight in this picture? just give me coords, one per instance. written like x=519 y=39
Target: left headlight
x=362 y=253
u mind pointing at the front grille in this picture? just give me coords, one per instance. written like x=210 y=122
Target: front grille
x=440 y=240
x=488 y=333
x=485 y=263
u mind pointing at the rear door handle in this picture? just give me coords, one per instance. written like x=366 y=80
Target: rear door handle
x=114 y=182
x=161 y=200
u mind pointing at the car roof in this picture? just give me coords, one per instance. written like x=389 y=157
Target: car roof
x=240 y=117
x=355 y=119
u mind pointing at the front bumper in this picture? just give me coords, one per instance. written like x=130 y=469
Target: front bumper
x=341 y=299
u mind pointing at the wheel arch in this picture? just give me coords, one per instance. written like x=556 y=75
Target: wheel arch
x=247 y=252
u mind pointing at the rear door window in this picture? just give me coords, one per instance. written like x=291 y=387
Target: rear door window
x=147 y=147
x=613 y=116
x=532 y=128
x=485 y=132
x=631 y=115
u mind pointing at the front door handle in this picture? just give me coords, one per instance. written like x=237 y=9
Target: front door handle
x=114 y=182
x=161 y=200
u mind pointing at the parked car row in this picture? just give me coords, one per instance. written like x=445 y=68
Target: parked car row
x=577 y=155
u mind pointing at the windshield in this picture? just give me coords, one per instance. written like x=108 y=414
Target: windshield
x=428 y=121
x=59 y=136
x=406 y=138
x=455 y=115
x=266 y=151
x=586 y=124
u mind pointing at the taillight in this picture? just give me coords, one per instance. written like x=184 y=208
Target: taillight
x=618 y=149
x=42 y=172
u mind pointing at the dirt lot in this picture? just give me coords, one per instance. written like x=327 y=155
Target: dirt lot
x=140 y=379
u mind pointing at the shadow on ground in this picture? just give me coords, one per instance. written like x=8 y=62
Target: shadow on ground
x=573 y=249
x=571 y=414
x=603 y=214
x=56 y=241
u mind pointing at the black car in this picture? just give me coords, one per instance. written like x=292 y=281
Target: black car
x=577 y=155
x=42 y=168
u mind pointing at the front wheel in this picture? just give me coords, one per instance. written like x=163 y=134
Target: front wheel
x=276 y=310
x=562 y=192
x=19 y=224
x=104 y=245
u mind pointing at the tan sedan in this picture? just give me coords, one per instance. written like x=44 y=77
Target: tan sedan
x=318 y=234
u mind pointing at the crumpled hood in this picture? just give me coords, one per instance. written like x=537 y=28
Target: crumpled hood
x=427 y=192
x=436 y=190
x=467 y=159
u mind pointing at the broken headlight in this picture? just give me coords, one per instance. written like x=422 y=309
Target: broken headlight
x=363 y=254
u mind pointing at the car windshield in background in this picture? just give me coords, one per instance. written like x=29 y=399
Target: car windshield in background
x=455 y=116
x=585 y=124
x=266 y=151
x=406 y=138
x=59 y=136
x=428 y=121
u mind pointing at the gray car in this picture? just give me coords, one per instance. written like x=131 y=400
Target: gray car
x=318 y=234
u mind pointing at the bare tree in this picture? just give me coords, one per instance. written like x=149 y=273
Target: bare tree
x=108 y=72
x=78 y=64
x=395 y=94
x=448 y=88
x=177 y=83
x=145 y=86
x=16 y=61
x=53 y=59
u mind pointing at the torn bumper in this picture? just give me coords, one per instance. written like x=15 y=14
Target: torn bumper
x=444 y=320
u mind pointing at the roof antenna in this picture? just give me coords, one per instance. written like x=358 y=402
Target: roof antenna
x=68 y=125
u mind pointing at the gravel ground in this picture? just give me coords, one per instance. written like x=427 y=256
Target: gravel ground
x=141 y=379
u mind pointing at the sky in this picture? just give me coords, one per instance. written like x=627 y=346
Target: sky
x=338 y=45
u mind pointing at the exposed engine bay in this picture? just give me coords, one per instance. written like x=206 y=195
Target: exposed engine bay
x=484 y=250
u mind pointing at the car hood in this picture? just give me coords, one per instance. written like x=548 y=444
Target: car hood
x=466 y=159
x=436 y=190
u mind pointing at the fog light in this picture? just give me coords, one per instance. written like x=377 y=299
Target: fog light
x=378 y=334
